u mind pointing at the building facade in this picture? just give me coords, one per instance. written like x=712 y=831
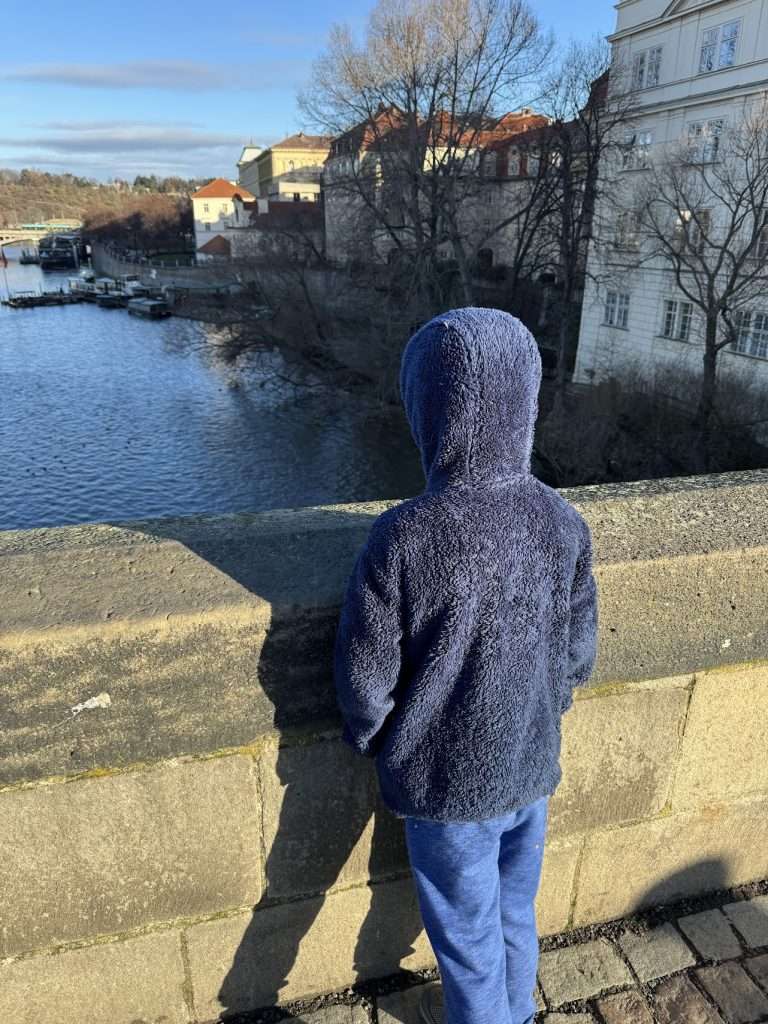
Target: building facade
x=289 y=171
x=694 y=68
x=213 y=209
x=368 y=169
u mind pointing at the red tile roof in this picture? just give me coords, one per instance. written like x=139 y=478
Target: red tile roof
x=444 y=128
x=216 y=246
x=220 y=188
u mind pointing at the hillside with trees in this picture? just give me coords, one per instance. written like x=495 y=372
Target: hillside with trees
x=31 y=196
x=146 y=223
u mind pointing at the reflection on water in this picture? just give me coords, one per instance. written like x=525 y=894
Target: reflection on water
x=107 y=416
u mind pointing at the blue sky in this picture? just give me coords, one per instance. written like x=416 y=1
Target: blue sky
x=171 y=87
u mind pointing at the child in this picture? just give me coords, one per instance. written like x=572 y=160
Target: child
x=469 y=618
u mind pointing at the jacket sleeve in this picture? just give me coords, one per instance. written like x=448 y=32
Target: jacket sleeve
x=582 y=633
x=367 y=649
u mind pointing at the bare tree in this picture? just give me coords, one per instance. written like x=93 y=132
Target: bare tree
x=702 y=213
x=590 y=104
x=411 y=108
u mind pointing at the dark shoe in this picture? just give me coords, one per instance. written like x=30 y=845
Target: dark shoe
x=431 y=1005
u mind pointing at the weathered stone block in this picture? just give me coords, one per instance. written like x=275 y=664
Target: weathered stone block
x=750 y=919
x=624 y=1008
x=618 y=756
x=581 y=971
x=758 y=968
x=677 y=1000
x=324 y=824
x=726 y=736
x=305 y=947
x=656 y=953
x=734 y=992
x=107 y=854
x=675 y=856
x=711 y=934
x=136 y=980
x=553 y=901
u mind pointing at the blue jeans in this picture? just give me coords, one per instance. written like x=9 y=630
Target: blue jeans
x=476 y=883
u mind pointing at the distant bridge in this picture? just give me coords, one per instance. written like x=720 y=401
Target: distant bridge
x=34 y=232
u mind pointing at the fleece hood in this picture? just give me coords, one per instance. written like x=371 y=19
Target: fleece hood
x=469 y=381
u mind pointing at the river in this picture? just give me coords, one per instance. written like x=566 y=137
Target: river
x=106 y=416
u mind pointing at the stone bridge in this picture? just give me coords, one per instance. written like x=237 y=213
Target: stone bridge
x=184 y=835
x=17 y=235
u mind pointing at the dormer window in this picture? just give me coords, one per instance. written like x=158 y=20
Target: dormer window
x=718 y=47
x=646 y=68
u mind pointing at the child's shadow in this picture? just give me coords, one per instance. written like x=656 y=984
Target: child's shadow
x=329 y=794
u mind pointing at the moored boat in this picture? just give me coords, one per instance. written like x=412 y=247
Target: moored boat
x=112 y=300
x=153 y=309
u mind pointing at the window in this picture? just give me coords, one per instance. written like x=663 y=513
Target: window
x=205 y=207
x=692 y=229
x=297 y=197
x=762 y=242
x=207 y=225
x=616 y=309
x=627 y=230
x=646 y=68
x=636 y=152
x=704 y=140
x=718 y=47
x=751 y=333
x=676 y=320
x=222 y=210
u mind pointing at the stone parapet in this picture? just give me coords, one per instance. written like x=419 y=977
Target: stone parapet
x=206 y=833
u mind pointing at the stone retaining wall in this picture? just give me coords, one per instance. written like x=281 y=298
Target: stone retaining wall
x=157 y=273
x=204 y=843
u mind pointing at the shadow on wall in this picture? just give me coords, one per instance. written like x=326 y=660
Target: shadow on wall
x=694 y=880
x=329 y=794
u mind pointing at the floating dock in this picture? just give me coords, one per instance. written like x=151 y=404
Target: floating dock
x=43 y=299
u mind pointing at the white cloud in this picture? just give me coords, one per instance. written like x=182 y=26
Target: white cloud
x=189 y=76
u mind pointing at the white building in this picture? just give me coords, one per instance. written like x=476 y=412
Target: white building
x=694 y=64
x=213 y=210
x=248 y=169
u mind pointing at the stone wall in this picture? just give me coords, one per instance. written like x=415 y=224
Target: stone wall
x=203 y=843
x=155 y=273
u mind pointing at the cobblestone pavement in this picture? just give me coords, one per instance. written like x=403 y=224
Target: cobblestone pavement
x=705 y=962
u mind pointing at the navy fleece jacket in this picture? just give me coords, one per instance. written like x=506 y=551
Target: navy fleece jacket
x=471 y=612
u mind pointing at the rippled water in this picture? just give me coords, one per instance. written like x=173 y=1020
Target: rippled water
x=108 y=416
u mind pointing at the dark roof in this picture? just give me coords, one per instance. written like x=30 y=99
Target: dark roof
x=302 y=141
x=283 y=214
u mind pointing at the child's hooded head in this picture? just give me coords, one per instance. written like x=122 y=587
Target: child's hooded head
x=469 y=381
